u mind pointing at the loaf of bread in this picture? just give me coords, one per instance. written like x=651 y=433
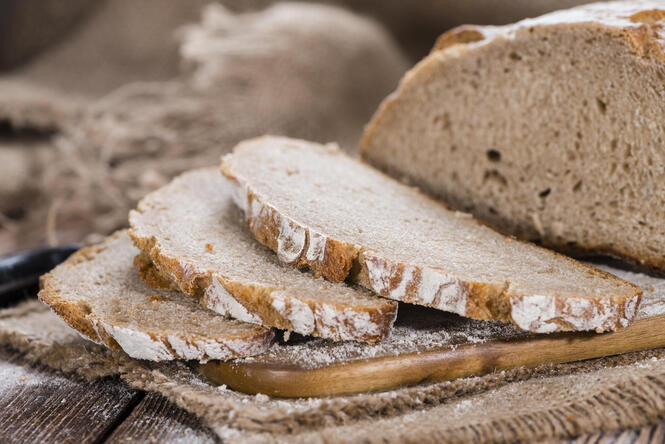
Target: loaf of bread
x=192 y=235
x=550 y=129
x=99 y=293
x=318 y=208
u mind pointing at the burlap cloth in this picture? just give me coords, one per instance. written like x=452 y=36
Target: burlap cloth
x=548 y=402
x=126 y=107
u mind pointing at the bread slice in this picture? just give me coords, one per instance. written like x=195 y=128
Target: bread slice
x=550 y=129
x=98 y=292
x=318 y=208
x=192 y=235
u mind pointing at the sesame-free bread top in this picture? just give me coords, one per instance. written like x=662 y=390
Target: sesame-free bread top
x=98 y=292
x=549 y=129
x=191 y=234
x=321 y=209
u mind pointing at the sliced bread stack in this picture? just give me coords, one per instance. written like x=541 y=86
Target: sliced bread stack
x=298 y=236
x=195 y=284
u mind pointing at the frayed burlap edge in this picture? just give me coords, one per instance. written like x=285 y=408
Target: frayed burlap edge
x=636 y=399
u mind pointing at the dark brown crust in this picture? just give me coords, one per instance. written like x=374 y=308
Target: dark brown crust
x=483 y=301
x=158 y=269
x=338 y=257
x=75 y=315
x=151 y=275
x=459 y=35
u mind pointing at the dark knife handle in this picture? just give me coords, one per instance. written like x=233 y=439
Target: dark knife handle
x=19 y=273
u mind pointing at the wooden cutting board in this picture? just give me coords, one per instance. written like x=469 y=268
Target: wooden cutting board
x=429 y=346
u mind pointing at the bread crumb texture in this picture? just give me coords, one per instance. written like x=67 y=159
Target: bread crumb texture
x=402 y=245
x=98 y=292
x=194 y=236
x=549 y=129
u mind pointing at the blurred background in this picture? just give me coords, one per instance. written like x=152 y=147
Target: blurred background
x=104 y=101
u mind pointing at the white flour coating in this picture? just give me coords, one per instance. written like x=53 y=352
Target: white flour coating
x=542 y=314
x=416 y=329
x=614 y=14
x=292 y=237
x=347 y=325
x=443 y=292
x=379 y=273
x=291 y=240
x=653 y=296
x=239 y=193
x=185 y=349
x=434 y=289
x=254 y=209
x=218 y=299
x=630 y=310
x=325 y=319
x=252 y=347
x=297 y=312
x=136 y=344
x=199 y=349
x=316 y=251
x=140 y=345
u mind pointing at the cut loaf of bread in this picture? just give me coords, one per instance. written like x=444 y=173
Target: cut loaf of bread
x=319 y=208
x=98 y=292
x=551 y=129
x=193 y=235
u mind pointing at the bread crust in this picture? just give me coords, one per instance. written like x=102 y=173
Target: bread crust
x=263 y=304
x=258 y=300
x=638 y=23
x=81 y=317
x=411 y=283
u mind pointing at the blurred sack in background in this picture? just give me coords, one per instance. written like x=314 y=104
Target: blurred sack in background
x=102 y=102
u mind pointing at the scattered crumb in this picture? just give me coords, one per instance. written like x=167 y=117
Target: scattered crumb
x=538 y=225
x=155 y=298
x=25 y=378
x=210 y=248
x=260 y=397
x=287 y=335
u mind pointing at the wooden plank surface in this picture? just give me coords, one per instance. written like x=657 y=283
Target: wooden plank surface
x=654 y=433
x=40 y=405
x=285 y=379
x=156 y=420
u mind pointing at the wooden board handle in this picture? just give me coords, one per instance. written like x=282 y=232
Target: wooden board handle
x=432 y=366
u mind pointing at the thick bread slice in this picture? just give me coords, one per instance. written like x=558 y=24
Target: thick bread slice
x=318 y=208
x=550 y=129
x=99 y=293
x=192 y=235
